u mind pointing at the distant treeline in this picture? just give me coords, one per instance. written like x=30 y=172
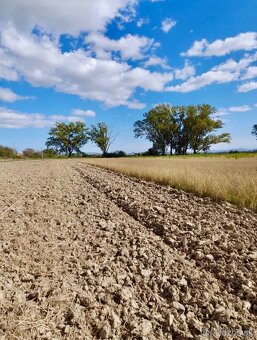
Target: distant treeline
x=176 y=129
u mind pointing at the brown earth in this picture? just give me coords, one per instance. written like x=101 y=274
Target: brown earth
x=90 y=254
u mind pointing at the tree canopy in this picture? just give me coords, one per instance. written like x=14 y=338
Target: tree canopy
x=68 y=138
x=181 y=128
x=7 y=152
x=254 y=130
x=101 y=135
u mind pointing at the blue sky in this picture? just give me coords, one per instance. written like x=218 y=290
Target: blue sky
x=112 y=60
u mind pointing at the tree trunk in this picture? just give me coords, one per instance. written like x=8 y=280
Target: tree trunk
x=171 y=149
x=69 y=152
x=163 y=150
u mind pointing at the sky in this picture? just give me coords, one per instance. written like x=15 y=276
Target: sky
x=113 y=60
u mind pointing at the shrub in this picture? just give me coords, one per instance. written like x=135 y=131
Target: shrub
x=7 y=152
x=49 y=153
x=31 y=153
x=115 y=154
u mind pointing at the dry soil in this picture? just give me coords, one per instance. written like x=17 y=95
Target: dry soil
x=90 y=254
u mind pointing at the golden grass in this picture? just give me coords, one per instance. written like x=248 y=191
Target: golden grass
x=232 y=180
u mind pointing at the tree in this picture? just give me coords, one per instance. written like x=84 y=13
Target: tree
x=180 y=128
x=158 y=126
x=49 y=153
x=101 y=135
x=209 y=140
x=67 y=138
x=31 y=153
x=7 y=152
x=201 y=125
x=254 y=130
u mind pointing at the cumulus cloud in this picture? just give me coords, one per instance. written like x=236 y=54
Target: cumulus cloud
x=7 y=95
x=227 y=111
x=14 y=119
x=226 y=72
x=142 y=21
x=136 y=105
x=167 y=25
x=243 y=41
x=248 y=86
x=186 y=72
x=242 y=108
x=251 y=72
x=40 y=61
x=157 y=61
x=130 y=46
x=83 y=113
x=76 y=15
x=6 y=66
x=11 y=119
x=221 y=112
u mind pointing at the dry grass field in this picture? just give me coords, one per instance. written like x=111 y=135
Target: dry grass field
x=222 y=178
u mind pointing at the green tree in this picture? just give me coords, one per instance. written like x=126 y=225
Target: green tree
x=68 y=138
x=31 y=153
x=158 y=126
x=201 y=125
x=49 y=153
x=254 y=130
x=101 y=135
x=7 y=152
x=209 y=140
x=180 y=128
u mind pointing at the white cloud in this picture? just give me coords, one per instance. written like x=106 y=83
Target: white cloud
x=40 y=61
x=246 y=87
x=7 y=95
x=243 y=41
x=11 y=119
x=136 y=105
x=167 y=25
x=226 y=111
x=74 y=119
x=6 y=70
x=221 y=112
x=242 y=108
x=157 y=61
x=69 y=16
x=142 y=21
x=220 y=74
x=84 y=113
x=14 y=119
x=186 y=72
x=130 y=46
x=251 y=72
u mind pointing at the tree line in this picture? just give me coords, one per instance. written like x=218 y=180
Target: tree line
x=180 y=128
x=177 y=128
x=173 y=129
x=69 y=138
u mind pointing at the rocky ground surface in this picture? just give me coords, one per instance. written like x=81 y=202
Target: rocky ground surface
x=90 y=254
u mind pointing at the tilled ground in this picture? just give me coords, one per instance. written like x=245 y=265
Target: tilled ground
x=90 y=254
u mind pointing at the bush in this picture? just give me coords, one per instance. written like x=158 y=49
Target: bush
x=7 y=152
x=152 y=152
x=115 y=154
x=49 y=153
x=31 y=153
